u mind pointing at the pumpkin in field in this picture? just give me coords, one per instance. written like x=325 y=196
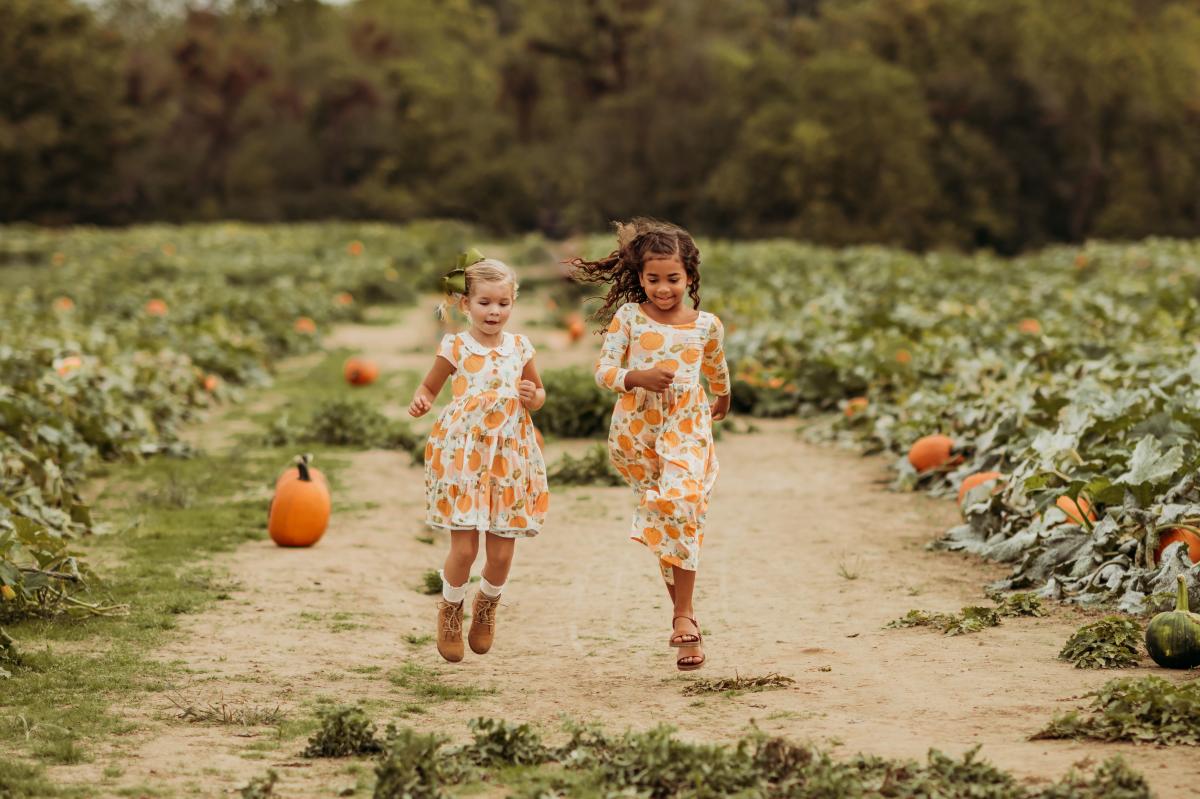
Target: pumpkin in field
x=68 y=364
x=299 y=511
x=1030 y=327
x=305 y=325
x=1173 y=636
x=575 y=328
x=1190 y=539
x=156 y=307
x=360 y=371
x=343 y=299
x=1076 y=509
x=977 y=479
x=903 y=356
x=932 y=452
x=855 y=406
x=63 y=304
x=355 y=248
x=211 y=383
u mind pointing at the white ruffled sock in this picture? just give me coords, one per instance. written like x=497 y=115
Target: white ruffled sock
x=490 y=591
x=454 y=594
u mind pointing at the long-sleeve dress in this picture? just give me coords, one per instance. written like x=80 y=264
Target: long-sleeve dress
x=661 y=443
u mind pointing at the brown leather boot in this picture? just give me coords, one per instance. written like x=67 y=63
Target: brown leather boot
x=483 y=623
x=449 y=631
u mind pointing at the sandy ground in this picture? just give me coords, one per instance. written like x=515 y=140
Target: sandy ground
x=807 y=556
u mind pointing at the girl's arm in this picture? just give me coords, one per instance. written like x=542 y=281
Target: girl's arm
x=610 y=369
x=432 y=384
x=533 y=395
x=714 y=368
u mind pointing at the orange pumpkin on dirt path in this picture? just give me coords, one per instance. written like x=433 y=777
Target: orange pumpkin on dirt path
x=932 y=452
x=855 y=406
x=360 y=371
x=299 y=511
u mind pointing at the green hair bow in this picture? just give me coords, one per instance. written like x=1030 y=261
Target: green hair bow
x=455 y=281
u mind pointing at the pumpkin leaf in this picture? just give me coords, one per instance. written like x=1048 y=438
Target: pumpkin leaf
x=1149 y=464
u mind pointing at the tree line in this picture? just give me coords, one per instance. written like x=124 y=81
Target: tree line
x=1003 y=124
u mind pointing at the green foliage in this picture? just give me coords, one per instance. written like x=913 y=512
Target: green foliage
x=970 y=619
x=575 y=406
x=1019 y=604
x=346 y=423
x=1145 y=710
x=1113 y=642
x=431 y=582
x=261 y=787
x=499 y=743
x=344 y=731
x=592 y=468
x=412 y=767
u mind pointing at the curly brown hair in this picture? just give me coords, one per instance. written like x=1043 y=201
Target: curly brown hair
x=637 y=239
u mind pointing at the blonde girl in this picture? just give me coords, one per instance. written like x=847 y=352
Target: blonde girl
x=484 y=472
x=655 y=351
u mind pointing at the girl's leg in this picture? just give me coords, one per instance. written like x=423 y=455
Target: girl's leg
x=685 y=629
x=499 y=559
x=487 y=599
x=464 y=546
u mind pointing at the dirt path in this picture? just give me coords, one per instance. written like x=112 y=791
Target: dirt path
x=582 y=632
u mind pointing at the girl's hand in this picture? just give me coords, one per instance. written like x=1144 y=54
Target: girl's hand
x=656 y=379
x=420 y=405
x=720 y=407
x=527 y=390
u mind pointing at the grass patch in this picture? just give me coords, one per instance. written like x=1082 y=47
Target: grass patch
x=731 y=686
x=1113 y=642
x=412 y=639
x=1146 y=710
x=656 y=764
x=431 y=583
x=427 y=684
x=592 y=468
x=224 y=714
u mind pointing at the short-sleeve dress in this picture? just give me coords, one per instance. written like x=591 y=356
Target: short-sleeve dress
x=662 y=443
x=483 y=468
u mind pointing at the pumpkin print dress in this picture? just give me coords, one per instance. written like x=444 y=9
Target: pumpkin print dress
x=483 y=468
x=662 y=443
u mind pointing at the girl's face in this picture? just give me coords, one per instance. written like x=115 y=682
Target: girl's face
x=664 y=280
x=489 y=306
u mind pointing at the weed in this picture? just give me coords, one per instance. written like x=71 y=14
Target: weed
x=1113 y=642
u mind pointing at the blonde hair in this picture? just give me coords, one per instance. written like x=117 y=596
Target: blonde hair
x=490 y=270
x=485 y=270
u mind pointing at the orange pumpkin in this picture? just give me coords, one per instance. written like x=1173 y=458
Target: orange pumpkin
x=63 y=304
x=855 y=406
x=299 y=510
x=305 y=325
x=355 y=248
x=343 y=299
x=211 y=383
x=1030 y=327
x=932 y=452
x=575 y=327
x=903 y=356
x=68 y=364
x=979 y=478
x=360 y=371
x=156 y=307
x=1068 y=506
x=1179 y=534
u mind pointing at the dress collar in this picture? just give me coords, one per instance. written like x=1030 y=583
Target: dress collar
x=505 y=347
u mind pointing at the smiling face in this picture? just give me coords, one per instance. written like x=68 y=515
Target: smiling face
x=489 y=306
x=664 y=280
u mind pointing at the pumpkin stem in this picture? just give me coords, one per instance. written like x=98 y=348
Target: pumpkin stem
x=1181 y=595
x=302 y=465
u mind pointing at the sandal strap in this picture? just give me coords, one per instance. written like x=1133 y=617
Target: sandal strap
x=683 y=637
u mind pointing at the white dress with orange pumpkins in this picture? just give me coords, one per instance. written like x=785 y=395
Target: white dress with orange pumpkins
x=483 y=468
x=662 y=443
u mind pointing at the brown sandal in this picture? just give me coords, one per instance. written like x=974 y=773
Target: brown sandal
x=699 y=639
x=679 y=664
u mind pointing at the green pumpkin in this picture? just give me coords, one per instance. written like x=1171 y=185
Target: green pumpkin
x=1173 y=637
